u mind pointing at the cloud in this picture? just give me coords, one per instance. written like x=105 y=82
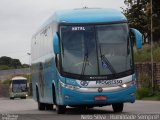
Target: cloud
x=19 y=20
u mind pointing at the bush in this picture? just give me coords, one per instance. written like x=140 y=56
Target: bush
x=4 y=67
x=144 y=55
x=158 y=96
x=143 y=92
x=145 y=80
x=7 y=82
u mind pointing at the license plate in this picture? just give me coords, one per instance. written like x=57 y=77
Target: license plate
x=100 y=98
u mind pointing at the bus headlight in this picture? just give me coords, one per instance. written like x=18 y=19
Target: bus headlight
x=26 y=95
x=71 y=87
x=125 y=85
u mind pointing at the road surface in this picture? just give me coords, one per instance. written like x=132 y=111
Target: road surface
x=26 y=109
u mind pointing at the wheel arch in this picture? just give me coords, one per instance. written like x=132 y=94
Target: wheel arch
x=54 y=93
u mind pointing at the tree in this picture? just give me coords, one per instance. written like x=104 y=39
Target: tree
x=25 y=65
x=6 y=61
x=9 y=63
x=156 y=20
x=16 y=63
x=137 y=17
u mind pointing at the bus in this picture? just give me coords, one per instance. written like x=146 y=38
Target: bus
x=84 y=58
x=18 y=87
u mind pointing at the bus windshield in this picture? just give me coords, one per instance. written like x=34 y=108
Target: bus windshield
x=19 y=85
x=96 y=49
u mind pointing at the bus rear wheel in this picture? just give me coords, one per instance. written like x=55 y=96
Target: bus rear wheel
x=117 y=107
x=60 y=109
x=23 y=97
x=11 y=98
x=41 y=106
x=49 y=106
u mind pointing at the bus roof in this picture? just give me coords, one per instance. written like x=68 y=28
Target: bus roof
x=89 y=15
x=86 y=15
x=19 y=78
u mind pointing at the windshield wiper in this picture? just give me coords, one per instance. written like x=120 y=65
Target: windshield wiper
x=84 y=64
x=106 y=61
x=85 y=61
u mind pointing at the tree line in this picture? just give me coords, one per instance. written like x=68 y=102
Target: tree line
x=9 y=63
x=139 y=16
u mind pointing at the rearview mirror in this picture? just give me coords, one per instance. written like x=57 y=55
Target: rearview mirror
x=56 y=43
x=138 y=38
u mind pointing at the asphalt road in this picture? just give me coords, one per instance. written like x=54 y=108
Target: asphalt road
x=26 y=109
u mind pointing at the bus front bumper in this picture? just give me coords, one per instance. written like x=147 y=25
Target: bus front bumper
x=73 y=97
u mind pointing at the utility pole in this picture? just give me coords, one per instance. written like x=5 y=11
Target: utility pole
x=152 y=46
x=29 y=77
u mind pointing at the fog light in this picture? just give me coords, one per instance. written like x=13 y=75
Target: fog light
x=124 y=85
x=66 y=97
x=133 y=94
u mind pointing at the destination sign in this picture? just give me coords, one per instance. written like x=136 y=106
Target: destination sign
x=78 y=28
x=109 y=82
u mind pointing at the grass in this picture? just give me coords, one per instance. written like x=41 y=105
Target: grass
x=5 y=67
x=9 y=81
x=146 y=93
x=144 y=54
x=153 y=98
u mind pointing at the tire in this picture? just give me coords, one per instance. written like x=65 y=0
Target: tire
x=23 y=97
x=11 y=98
x=60 y=109
x=82 y=107
x=90 y=106
x=53 y=95
x=118 y=107
x=41 y=106
x=49 y=106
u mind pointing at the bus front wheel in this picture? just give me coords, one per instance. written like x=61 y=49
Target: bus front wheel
x=117 y=107
x=60 y=109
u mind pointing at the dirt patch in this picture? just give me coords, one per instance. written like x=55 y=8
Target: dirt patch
x=4 y=90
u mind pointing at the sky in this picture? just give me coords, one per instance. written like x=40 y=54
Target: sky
x=19 y=20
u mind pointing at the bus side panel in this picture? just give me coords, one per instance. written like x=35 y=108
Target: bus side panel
x=33 y=85
x=50 y=75
x=33 y=68
x=34 y=71
x=50 y=72
x=47 y=73
x=44 y=64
